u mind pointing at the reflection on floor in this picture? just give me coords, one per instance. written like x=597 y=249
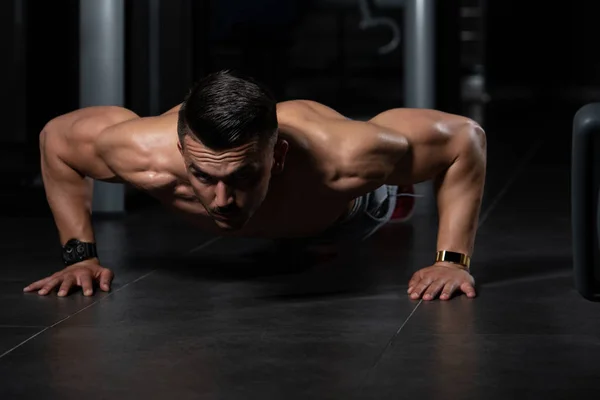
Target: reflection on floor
x=271 y=325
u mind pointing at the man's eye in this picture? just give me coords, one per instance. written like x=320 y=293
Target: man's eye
x=202 y=177
x=245 y=177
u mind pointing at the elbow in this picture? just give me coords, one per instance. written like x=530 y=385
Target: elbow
x=472 y=141
x=51 y=143
x=43 y=137
x=47 y=132
x=478 y=137
x=470 y=151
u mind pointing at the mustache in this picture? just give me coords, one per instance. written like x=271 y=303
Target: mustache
x=230 y=209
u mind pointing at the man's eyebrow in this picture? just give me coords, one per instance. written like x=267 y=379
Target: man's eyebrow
x=196 y=168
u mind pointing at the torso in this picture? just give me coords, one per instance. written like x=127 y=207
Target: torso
x=298 y=203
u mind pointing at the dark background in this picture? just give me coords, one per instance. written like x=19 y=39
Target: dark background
x=537 y=60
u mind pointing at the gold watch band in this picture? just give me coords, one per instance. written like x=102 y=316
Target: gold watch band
x=453 y=257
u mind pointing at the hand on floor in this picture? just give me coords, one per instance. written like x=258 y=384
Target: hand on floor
x=83 y=274
x=443 y=279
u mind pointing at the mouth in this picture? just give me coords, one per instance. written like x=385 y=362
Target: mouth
x=230 y=222
x=224 y=217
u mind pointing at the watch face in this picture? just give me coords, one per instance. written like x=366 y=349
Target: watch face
x=452 y=257
x=73 y=250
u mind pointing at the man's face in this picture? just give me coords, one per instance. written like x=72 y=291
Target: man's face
x=231 y=184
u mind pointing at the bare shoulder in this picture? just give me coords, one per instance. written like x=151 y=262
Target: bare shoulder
x=344 y=134
x=418 y=122
x=359 y=155
x=320 y=129
x=85 y=126
x=143 y=151
x=434 y=139
x=426 y=130
x=310 y=119
x=74 y=138
x=351 y=154
x=305 y=110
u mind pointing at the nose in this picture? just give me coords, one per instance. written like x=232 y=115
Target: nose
x=223 y=195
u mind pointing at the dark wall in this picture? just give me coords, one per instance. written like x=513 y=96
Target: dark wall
x=12 y=35
x=40 y=66
x=52 y=61
x=175 y=51
x=542 y=47
x=174 y=64
x=53 y=57
x=254 y=37
x=39 y=73
x=447 y=56
x=202 y=36
x=137 y=73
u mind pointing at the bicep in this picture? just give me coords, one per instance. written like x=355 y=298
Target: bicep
x=427 y=155
x=73 y=146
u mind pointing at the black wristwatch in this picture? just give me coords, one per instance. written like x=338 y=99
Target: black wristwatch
x=75 y=251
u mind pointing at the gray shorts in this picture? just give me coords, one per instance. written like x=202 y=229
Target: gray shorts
x=369 y=213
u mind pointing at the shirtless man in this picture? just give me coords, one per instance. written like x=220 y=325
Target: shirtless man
x=236 y=162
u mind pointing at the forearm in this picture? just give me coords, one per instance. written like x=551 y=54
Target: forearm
x=68 y=192
x=459 y=191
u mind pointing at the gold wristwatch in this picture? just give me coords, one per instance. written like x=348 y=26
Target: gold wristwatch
x=453 y=257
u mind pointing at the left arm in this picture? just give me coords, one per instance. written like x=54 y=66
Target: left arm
x=402 y=147
x=459 y=192
x=451 y=151
x=453 y=155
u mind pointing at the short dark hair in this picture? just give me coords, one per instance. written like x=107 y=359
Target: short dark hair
x=225 y=110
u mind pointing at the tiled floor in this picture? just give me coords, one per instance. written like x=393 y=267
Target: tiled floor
x=201 y=326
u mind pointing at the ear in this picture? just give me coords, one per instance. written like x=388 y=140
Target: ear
x=179 y=147
x=279 y=154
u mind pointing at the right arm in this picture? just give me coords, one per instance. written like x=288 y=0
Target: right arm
x=72 y=150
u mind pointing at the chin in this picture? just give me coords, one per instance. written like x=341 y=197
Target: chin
x=231 y=225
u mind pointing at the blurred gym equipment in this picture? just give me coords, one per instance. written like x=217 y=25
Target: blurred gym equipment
x=102 y=75
x=585 y=177
x=368 y=21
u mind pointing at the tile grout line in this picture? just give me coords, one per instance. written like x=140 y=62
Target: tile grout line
x=517 y=171
x=200 y=247
x=389 y=343
x=385 y=348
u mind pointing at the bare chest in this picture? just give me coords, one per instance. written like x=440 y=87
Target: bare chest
x=288 y=211
x=297 y=211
